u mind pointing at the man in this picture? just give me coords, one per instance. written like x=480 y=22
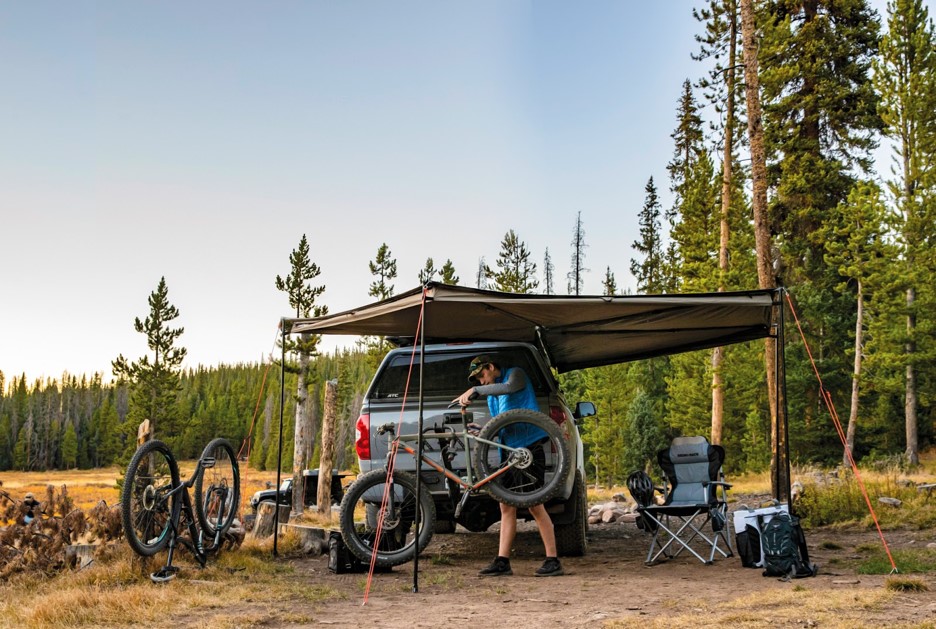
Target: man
x=508 y=389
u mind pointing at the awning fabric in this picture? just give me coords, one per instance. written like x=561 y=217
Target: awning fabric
x=575 y=331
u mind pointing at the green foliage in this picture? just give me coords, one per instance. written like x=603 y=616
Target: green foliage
x=516 y=273
x=447 y=274
x=384 y=269
x=154 y=384
x=908 y=561
x=648 y=269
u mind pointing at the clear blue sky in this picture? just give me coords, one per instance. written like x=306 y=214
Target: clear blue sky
x=199 y=141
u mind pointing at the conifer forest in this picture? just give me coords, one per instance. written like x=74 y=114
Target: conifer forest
x=773 y=181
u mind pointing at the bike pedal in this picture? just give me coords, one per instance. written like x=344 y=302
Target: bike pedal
x=164 y=574
x=208 y=462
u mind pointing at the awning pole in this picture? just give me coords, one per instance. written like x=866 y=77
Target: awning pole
x=782 y=408
x=279 y=454
x=419 y=437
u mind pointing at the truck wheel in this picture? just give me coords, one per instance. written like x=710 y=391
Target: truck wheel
x=398 y=543
x=537 y=472
x=571 y=538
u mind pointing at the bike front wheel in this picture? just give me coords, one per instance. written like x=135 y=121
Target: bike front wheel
x=217 y=488
x=398 y=541
x=527 y=456
x=148 y=508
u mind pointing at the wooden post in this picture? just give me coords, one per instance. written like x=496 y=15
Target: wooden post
x=327 y=460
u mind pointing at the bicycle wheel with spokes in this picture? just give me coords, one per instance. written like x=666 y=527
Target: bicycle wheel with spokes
x=147 y=508
x=217 y=488
x=528 y=454
x=398 y=540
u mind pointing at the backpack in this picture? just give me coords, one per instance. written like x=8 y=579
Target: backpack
x=340 y=559
x=785 y=554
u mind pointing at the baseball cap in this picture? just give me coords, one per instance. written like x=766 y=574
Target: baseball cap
x=477 y=364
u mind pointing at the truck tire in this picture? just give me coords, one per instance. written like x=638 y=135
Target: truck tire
x=571 y=538
x=538 y=472
x=397 y=543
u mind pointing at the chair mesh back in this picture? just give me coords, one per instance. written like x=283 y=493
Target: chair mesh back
x=688 y=463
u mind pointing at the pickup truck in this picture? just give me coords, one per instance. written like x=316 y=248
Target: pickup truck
x=311 y=490
x=446 y=377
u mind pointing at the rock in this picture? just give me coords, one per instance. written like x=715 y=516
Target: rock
x=894 y=502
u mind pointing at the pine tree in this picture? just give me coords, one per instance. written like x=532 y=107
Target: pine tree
x=516 y=272
x=447 y=274
x=609 y=285
x=576 y=275
x=302 y=296
x=384 y=268
x=428 y=272
x=721 y=39
x=905 y=76
x=548 y=270
x=69 y=448
x=482 y=274
x=154 y=385
x=648 y=271
x=762 y=240
x=856 y=245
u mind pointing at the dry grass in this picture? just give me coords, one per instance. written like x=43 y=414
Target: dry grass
x=115 y=591
x=87 y=487
x=798 y=606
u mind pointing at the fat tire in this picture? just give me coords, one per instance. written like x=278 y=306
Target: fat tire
x=214 y=447
x=500 y=488
x=135 y=516
x=571 y=538
x=359 y=536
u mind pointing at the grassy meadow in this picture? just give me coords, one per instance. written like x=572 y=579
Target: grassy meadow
x=114 y=590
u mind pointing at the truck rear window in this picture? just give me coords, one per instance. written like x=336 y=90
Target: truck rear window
x=447 y=373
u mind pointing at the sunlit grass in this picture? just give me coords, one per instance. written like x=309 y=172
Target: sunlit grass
x=799 y=605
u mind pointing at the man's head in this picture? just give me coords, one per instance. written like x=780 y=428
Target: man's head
x=479 y=369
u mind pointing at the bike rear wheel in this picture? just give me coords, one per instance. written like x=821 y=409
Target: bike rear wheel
x=360 y=516
x=217 y=489
x=146 y=507
x=539 y=466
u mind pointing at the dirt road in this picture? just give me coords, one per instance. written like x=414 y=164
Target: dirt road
x=612 y=586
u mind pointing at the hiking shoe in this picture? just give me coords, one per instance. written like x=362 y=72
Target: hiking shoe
x=500 y=567
x=550 y=568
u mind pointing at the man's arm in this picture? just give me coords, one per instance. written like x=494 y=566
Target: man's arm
x=514 y=382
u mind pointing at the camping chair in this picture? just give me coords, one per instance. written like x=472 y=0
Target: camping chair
x=695 y=494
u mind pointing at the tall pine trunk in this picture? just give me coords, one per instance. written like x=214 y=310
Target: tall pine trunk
x=780 y=482
x=910 y=398
x=302 y=434
x=718 y=354
x=327 y=459
x=849 y=455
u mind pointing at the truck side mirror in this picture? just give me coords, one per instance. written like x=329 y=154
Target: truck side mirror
x=584 y=409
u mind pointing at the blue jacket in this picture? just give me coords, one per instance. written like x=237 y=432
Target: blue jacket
x=516 y=436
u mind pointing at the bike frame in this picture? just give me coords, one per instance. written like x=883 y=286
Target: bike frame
x=196 y=544
x=467 y=438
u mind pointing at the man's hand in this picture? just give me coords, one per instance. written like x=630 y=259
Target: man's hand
x=465 y=398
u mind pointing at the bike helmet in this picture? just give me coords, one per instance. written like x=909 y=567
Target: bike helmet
x=640 y=486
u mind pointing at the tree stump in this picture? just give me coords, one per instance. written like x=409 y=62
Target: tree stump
x=79 y=555
x=263 y=527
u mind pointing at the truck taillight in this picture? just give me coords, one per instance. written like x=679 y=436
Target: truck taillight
x=556 y=413
x=362 y=437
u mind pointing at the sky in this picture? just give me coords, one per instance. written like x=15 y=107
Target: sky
x=199 y=141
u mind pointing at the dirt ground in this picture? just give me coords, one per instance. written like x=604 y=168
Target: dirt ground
x=611 y=586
